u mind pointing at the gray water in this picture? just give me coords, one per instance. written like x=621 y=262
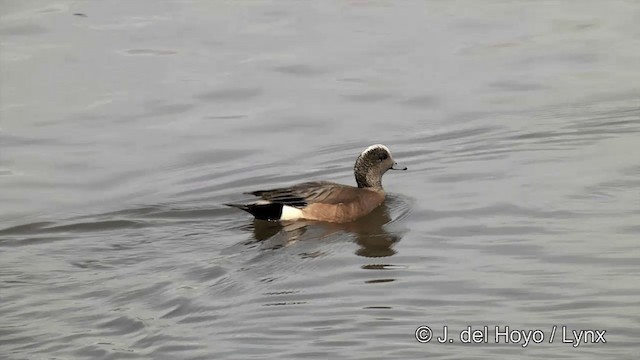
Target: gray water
x=126 y=125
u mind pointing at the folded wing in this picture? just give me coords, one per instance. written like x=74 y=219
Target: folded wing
x=310 y=192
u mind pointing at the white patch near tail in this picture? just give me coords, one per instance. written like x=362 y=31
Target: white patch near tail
x=290 y=213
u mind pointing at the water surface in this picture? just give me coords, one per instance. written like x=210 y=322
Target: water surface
x=124 y=128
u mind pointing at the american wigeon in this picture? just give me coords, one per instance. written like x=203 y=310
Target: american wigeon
x=328 y=201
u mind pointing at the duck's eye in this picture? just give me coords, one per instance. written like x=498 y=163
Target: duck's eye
x=384 y=156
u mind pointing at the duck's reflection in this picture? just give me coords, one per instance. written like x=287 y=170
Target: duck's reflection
x=370 y=235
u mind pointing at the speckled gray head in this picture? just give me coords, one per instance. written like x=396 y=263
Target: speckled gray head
x=372 y=164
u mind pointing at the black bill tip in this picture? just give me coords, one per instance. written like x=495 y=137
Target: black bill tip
x=396 y=166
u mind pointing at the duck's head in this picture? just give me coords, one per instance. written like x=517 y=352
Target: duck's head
x=372 y=164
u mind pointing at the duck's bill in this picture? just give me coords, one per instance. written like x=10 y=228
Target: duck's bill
x=397 y=166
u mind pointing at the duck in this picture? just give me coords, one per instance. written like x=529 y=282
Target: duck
x=324 y=200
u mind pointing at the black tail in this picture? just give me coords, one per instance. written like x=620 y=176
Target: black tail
x=269 y=212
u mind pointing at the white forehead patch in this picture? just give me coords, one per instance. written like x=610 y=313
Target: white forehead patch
x=376 y=146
